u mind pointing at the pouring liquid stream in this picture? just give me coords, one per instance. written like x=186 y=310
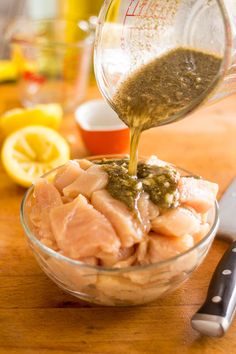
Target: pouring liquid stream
x=164 y=91
x=135 y=134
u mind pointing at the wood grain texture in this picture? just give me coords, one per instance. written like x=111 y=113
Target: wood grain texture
x=36 y=317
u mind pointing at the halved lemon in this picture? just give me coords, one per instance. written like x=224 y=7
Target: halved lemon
x=32 y=151
x=8 y=71
x=49 y=115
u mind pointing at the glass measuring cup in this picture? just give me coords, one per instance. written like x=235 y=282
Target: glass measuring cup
x=134 y=32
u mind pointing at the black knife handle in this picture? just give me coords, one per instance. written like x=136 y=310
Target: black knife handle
x=216 y=314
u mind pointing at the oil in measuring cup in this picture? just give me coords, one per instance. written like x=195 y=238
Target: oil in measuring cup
x=159 y=69
x=163 y=90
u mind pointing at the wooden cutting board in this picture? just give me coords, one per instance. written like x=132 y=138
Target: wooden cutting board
x=37 y=317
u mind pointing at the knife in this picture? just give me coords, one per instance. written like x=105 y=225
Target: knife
x=215 y=316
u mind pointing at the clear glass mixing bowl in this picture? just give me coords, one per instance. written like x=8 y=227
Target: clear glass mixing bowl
x=133 y=285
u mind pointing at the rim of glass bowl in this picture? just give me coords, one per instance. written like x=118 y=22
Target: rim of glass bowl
x=73 y=262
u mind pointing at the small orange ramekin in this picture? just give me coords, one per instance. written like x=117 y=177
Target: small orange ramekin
x=101 y=129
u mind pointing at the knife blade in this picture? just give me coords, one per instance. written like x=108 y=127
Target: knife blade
x=216 y=314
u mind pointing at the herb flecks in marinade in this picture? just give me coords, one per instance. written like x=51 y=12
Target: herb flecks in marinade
x=121 y=185
x=161 y=183
x=164 y=90
x=106 y=161
x=165 y=87
x=158 y=92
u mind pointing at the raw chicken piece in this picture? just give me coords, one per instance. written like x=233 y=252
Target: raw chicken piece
x=45 y=197
x=122 y=220
x=204 y=217
x=81 y=231
x=154 y=161
x=123 y=255
x=153 y=210
x=90 y=261
x=66 y=200
x=162 y=247
x=197 y=193
x=177 y=222
x=141 y=252
x=119 y=290
x=165 y=274
x=79 y=279
x=93 y=261
x=85 y=164
x=89 y=181
x=204 y=229
x=49 y=243
x=143 y=207
x=126 y=262
x=67 y=174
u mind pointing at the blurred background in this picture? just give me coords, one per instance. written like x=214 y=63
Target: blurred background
x=43 y=55
x=71 y=9
x=47 y=73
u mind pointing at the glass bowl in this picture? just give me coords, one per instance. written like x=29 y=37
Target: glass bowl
x=132 y=285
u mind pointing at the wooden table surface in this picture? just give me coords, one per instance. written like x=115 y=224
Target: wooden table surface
x=37 y=317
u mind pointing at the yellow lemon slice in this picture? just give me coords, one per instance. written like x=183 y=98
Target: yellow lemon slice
x=49 y=115
x=8 y=71
x=32 y=151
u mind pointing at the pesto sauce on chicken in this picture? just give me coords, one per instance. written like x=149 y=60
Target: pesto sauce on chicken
x=160 y=182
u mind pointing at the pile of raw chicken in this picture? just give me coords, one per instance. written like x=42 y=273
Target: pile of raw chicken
x=75 y=215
